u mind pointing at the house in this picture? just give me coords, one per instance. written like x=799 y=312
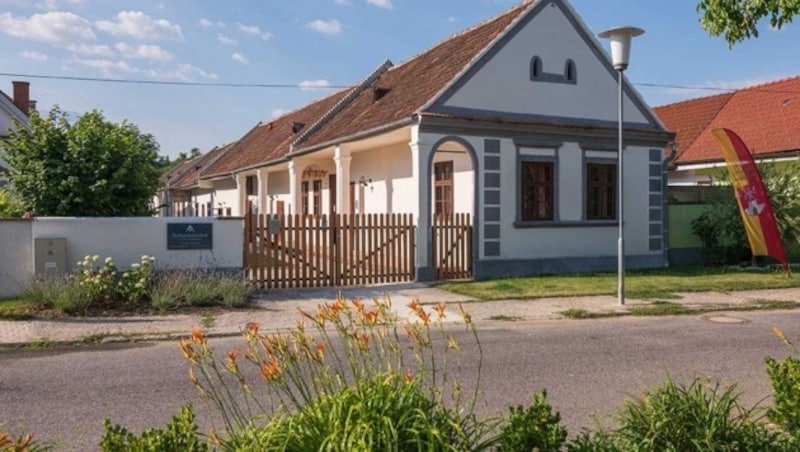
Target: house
x=184 y=194
x=512 y=121
x=764 y=116
x=13 y=109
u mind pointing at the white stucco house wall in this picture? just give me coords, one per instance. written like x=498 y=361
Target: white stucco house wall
x=513 y=121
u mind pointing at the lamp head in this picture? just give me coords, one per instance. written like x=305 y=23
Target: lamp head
x=620 y=38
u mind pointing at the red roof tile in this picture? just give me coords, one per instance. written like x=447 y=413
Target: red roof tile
x=189 y=175
x=269 y=141
x=764 y=116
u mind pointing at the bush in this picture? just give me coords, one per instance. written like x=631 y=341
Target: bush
x=98 y=282
x=180 y=434
x=785 y=378
x=172 y=290
x=535 y=427
x=136 y=283
x=59 y=292
x=345 y=383
x=674 y=417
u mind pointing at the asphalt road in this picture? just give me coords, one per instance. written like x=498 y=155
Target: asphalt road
x=587 y=366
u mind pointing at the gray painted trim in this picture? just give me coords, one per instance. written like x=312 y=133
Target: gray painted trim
x=555 y=132
x=655 y=215
x=655 y=201
x=502 y=268
x=491 y=197
x=537 y=142
x=491 y=180
x=656 y=156
x=566 y=224
x=550 y=77
x=655 y=230
x=491 y=162
x=585 y=162
x=491 y=213
x=655 y=170
x=665 y=210
x=655 y=186
x=655 y=244
x=481 y=113
x=429 y=271
x=491 y=248
x=441 y=99
x=518 y=221
x=491 y=146
x=491 y=231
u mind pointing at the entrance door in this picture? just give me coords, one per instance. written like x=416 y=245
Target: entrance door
x=443 y=188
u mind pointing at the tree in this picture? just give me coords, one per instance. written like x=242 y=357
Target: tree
x=738 y=20
x=720 y=227
x=90 y=168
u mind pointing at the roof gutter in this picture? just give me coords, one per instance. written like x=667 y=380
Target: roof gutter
x=389 y=126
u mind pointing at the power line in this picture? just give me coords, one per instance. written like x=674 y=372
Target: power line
x=301 y=86
x=169 y=83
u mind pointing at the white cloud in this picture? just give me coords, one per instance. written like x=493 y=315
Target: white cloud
x=254 y=30
x=91 y=50
x=451 y=19
x=32 y=55
x=141 y=26
x=329 y=27
x=314 y=84
x=227 y=40
x=182 y=72
x=343 y=2
x=56 y=28
x=111 y=68
x=278 y=112
x=205 y=23
x=108 y=68
x=240 y=58
x=143 y=52
x=381 y=3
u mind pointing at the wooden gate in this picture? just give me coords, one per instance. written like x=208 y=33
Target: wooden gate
x=452 y=246
x=325 y=251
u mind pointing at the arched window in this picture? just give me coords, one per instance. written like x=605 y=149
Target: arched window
x=570 y=72
x=536 y=67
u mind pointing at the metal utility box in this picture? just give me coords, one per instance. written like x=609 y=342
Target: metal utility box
x=50 y=256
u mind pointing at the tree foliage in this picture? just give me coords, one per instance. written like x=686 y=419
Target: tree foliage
x=738 y=20
x=720 y=227
x=91 y=167
x=168 y=164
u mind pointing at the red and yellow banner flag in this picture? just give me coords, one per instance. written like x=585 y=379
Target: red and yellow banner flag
x=757 y=214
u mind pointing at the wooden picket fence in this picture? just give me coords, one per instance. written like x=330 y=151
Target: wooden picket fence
x=293 y=251
x=452 y=246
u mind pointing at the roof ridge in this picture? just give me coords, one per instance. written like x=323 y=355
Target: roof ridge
x=300 y=107
x=767 y=83
x=693 y=99
x=343 y=102
x=522 y=5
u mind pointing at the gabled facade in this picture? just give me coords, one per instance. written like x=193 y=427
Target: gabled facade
x=764 y=116
x=513 y=121
x=13 y=110
x=182 y=193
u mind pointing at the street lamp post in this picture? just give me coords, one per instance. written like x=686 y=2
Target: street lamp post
x=620 y=38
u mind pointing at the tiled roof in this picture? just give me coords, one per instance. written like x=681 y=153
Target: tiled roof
x=189 y=175
x=409 y=86
x=175 y=173
x=271 y=140
x=764 y=116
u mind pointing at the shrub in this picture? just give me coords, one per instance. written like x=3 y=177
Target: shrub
x=98 y=282
x=350 y=371
x=60 y=292
x=192 y=288
x=135 y=284
x=673 y=417
x=180 y=434
x=785 y=378
x=533 y=428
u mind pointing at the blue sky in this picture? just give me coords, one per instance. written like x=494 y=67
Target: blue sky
x=313 y=43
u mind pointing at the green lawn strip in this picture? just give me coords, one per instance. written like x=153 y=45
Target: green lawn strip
x=642 y=284
x=18 y=309
x=660 y=308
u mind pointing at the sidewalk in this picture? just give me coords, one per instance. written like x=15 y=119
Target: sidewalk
x=277 y=309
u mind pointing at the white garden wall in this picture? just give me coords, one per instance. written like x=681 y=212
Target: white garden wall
x=123 y=239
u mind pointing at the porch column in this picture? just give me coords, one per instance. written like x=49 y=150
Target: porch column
x=421 y=174
x=263 y=196
x=241 y=190
x=295 y=193
x=342 y=158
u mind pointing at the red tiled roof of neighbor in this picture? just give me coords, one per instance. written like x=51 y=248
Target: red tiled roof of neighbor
x=689 y=118
x=410 y=86
x=190 y=175
x=271 y=140
x=764 y=116
x=175 y=173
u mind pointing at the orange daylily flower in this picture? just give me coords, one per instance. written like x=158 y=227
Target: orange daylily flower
x=439 y=308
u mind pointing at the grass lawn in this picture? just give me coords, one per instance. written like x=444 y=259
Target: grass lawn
x=658 y=284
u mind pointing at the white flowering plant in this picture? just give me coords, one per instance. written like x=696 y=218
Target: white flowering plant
x=97 y=281
x=135 y=283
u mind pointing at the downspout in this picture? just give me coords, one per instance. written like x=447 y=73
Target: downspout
x=665 y=198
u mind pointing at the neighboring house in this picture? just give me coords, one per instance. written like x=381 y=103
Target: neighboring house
x=764 y=116
x=13 y=109
x=183 y=194
x=513 y=121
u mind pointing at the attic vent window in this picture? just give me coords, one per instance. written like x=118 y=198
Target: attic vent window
x=297 y=126
x=570 y=73
x=536 y=67
x=378 y=93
